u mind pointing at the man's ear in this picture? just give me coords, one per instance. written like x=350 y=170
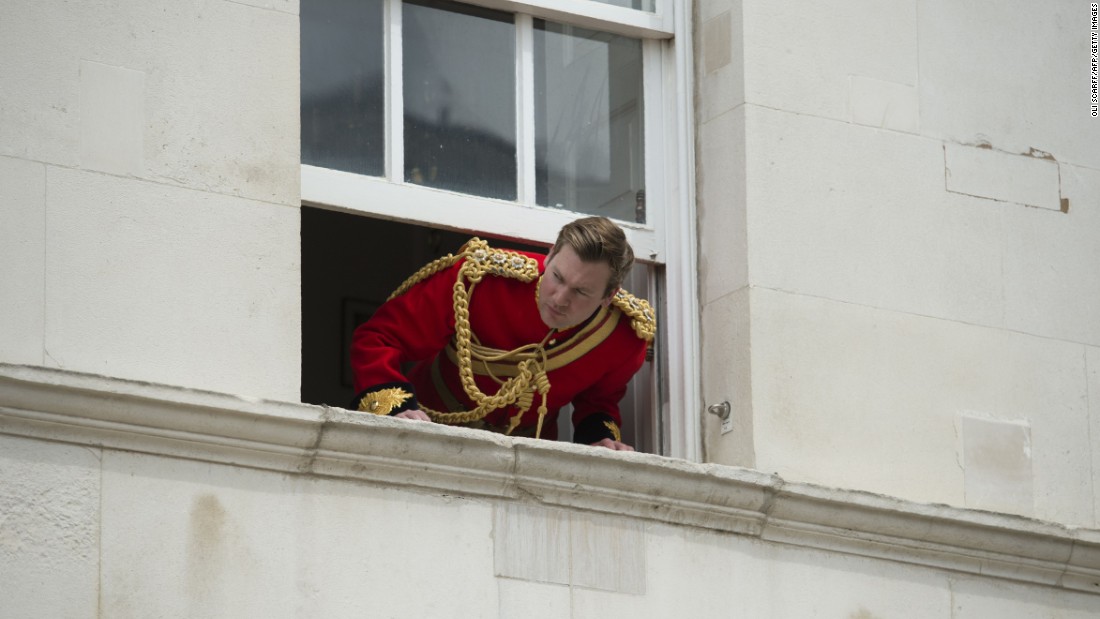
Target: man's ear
x=607 y=301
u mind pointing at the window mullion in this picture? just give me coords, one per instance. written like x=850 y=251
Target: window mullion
x=525 y=109
x=395 y=94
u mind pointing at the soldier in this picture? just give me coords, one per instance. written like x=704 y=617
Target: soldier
x=501 y=340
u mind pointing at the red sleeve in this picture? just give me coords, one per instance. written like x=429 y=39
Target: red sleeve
x=598 y=405
x=411 y=327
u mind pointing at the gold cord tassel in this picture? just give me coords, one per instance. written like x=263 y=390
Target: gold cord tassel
x=544 y=387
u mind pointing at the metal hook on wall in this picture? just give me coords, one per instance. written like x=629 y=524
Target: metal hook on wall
x=722 y=410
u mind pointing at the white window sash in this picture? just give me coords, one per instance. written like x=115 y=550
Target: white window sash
x=378 y=197
x=681 y=321
x=395 y=92
x=526 y=177
x=595 y=15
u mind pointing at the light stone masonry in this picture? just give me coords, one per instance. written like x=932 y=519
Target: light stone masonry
x=159 y=283
x=888 y=105
x=723 y=225
x=996 y=461
x=978 y=598
x=1051 y=281
x=534 y=600
x=727 y=378
x=238 y=542
x=825 y=385
x=1014 y=75
x=799 y=56
x=1092 y=365
x=90 y=76
x=860 y=215
x=267 y=509
x=112 y=119
x=49 y=529
x=22 y=260
x=720 y=66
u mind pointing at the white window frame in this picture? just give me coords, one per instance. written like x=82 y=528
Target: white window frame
x=668 y=236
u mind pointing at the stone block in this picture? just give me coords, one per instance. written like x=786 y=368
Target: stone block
x=996 y=460
x=570 y=548
x=691 y=572
x=723 y=232
x=860 y=215
x=531 y=543
x=234 y=130
x=887 y=105
x=40 y=71
x=1051 y=286
x=717 y=42
x=533 y=600
x=842 y=392
x=721 y=66
x=1006 y=177
x=803 y=583
x=284 y=6
x=710 y=8
x=169 y=285
x=608 y=553
x=112 y=119
x=22 y=260
x=1092 y=362
x=727 y=377
x=49 y=531
x=325 y=548
x=220 y=97
x=1008 y=77
x=798 y=57
x=983 y=598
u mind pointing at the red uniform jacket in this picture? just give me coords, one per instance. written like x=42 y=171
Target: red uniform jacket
x=407 y=348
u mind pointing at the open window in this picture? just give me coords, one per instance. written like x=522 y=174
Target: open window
x=425 y=122
x=350 y=264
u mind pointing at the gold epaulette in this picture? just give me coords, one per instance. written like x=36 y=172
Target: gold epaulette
x=642 y=317
x=482 y=259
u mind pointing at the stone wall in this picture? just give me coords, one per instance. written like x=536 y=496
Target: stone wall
x=149 y=168
x=899 y=236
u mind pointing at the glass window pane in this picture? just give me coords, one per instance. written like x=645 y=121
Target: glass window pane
x=589 y=122
x=343 y=94
x=641 y=5
x=460 y=117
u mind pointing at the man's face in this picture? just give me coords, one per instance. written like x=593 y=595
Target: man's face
x=572 y=289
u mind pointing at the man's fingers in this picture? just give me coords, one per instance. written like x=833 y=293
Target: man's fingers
x=417 y=415
x=614 y=445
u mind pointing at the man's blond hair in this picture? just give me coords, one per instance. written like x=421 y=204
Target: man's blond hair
x=598 y=239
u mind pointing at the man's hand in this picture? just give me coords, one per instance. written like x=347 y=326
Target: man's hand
x=613 y=444
x=416 y=414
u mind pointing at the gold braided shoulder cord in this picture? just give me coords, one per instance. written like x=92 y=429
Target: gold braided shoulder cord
x=643 y=318
x=531 y=366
